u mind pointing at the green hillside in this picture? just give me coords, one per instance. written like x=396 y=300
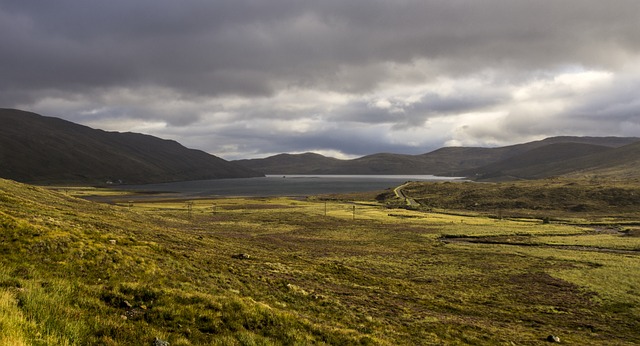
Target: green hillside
x=79 y=273
x=327 y=271
x=562 y=198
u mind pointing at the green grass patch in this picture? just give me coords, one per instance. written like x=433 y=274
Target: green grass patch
x=279 y=271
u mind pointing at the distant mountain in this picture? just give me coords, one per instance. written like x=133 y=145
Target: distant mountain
x=619 y=163
x=559 y=159
x=461 y=161
x=307 y=163
x=39 y=149
x=521 y=161
x=540 y=162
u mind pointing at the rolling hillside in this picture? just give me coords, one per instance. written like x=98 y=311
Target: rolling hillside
x=528 y=160
x=623 y=162
x=559 y=159
x=39 y=149
x=537 y=163
x=285 y=271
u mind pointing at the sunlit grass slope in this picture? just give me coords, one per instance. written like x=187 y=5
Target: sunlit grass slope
x=74 y=272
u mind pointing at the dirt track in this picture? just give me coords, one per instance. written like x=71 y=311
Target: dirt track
x=408 y=200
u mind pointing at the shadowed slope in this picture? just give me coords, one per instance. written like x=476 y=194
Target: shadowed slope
x=35 y=148
x=448 y=161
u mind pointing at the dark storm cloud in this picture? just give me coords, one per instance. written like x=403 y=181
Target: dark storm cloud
x=254 y=46
x=178 y=63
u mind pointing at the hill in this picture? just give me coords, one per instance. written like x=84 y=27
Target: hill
x=39 y=149
x=73 y=272
x=552 y=197
x=536 y=163
x=620 y=163
x=573 y=159
x=307 y=163
x=448 y=161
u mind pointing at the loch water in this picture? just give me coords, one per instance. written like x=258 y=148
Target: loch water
x=280 y=185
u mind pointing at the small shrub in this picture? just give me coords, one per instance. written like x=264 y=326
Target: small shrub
x=10 y=283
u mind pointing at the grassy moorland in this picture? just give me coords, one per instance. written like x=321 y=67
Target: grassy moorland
x=339 y=270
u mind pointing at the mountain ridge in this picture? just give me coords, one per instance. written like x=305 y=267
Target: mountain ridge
x=40 y=149
x=473 y=162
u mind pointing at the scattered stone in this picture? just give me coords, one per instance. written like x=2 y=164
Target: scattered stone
x=123 y=317
x=134 y=314
x=553 y=338
x=241 y=256
x=368 y=318
x=160 y=342
x=112 y=241
x=297 y=289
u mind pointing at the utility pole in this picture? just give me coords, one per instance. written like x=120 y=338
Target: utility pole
x=189 y=206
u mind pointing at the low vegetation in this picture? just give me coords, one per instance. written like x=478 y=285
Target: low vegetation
x=587 y=200
x=467 y=267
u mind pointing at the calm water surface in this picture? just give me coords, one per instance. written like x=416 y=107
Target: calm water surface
x=289 y=185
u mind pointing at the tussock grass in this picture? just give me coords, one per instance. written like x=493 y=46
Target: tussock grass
x=13 y=324
x=74 y=272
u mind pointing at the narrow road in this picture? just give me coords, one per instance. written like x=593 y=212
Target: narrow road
x=408 y=200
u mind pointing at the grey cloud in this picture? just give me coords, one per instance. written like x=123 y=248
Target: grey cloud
x=617 y=103
x=253 y=46
x=405 y=114
x=178 y=62
x=350 y=141
x=438 y=105
x=265 y=139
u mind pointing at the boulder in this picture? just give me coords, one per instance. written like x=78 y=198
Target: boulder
x=241 y=256
x=159 y=342
x=553 y=338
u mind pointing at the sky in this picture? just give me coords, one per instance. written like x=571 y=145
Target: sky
x=254 y=78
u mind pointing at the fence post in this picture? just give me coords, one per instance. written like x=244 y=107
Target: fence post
x=189 y=206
